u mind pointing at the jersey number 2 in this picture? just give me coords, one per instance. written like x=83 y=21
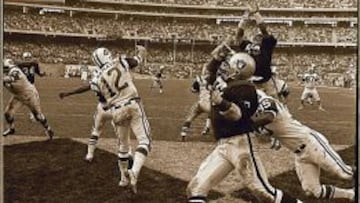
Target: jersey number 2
x=117 y=75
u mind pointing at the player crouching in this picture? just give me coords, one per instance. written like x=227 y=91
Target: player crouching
x=23 y=93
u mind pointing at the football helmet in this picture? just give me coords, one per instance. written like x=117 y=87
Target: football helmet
x=102 y=56
x=9 y=63
x=241 y=66
x=27 y=55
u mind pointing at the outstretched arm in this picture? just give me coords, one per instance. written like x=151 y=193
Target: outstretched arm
x=262 y=119
x=78 y=90
x=260 y=22
x=241 y=28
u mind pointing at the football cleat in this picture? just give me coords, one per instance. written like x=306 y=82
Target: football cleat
x=124 y=181
x=32 y=117
x=184 y=131
x=89 y=157
x=49 y=133
x=321 y=109
x=133 y=181
x=205 y=131
x=9 y=131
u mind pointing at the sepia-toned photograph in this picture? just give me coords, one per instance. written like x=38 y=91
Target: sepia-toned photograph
x=179 y=101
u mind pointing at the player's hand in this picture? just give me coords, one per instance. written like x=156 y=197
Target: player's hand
x=62 y=95
x=220 y=84
x=140 y=47
x=216 y=97
x=253 y=8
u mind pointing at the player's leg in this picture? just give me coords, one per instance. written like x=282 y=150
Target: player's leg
x=206 y=129
x=141 y=129
x=211 y=171
x=327 y=158
x=303 y=97
x=309 y=176
x=9 y=113
x=316 y=97
x=253 y=171
x=154 y=83
x=194 y=112
x=160 y=86
x=34 y=105
x=100 y=117
x=123 y=133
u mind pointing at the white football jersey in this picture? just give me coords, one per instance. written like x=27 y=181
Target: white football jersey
x=289 y=131
x=18 y=84
x=310 y=80
x=113 y=84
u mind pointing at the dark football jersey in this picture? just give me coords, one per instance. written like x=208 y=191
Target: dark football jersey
x=262 y=55
x=29 y=68
x=242 y=94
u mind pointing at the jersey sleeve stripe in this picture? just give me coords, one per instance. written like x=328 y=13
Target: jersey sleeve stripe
x=124 y=63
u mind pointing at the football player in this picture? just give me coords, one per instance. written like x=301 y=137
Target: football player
x=260 y=48
x=100 y=117
x=233 y=102
x=310 y=92
x=119 y=94
x=23 y=93
x=312 y=150
x=30 y=67
x=159 y=75
x=201 y=106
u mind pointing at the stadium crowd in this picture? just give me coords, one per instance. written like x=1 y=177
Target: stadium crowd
x=161 y=28
x=185 y=64
x=266 y=3
x=184 y=60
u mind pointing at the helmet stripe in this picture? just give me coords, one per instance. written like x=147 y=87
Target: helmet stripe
x=97 y=59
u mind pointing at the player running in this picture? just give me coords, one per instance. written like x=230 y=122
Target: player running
x=233 y=104
x=312 y=150
x=310 y=92
x=157 y=81
x=23 y=93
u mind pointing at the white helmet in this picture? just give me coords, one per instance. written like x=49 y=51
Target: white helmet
x=9 y=63
x=26 y=55
x=101 y=56
x=242 y=66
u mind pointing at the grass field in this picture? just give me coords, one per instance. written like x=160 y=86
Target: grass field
x=41 y=171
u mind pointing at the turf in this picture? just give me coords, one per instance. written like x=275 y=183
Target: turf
x=54 y=172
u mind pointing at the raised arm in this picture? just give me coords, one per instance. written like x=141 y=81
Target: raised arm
x=139 y=57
